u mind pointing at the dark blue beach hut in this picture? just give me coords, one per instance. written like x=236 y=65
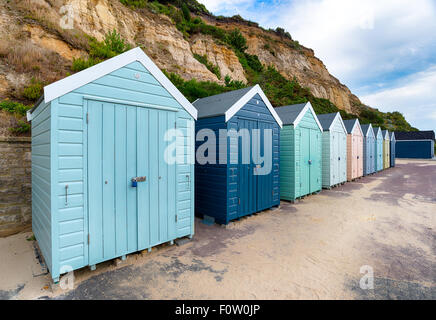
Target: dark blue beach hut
x=231 y=179
x=393 y=143
x=415 y=144
x=368 y=149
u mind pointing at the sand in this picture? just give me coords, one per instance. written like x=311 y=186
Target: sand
x=313 y=249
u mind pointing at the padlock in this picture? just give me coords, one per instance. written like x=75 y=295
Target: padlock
x=134 y=183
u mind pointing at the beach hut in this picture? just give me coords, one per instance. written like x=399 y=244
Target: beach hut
x=392 y=151
x=334 y=149
x=378 y=149
x=354 y=149
x=415 y=144
x=101 y=185
x=239 y=182
x=368 y=149
x=300 y=151
x=386 y=149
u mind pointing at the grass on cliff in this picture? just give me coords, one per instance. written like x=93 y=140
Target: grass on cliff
x=209 y=65
x=18 y=111
x=279 y=90
x=111 y=46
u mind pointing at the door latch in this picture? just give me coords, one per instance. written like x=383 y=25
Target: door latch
x=310 y=161
x=136 y=180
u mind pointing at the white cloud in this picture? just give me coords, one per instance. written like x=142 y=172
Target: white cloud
x=414 y=96
x=360 y=40
x=371 y=46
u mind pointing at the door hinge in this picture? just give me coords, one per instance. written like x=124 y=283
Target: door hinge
x=175 y=125
x=239 y=201
x=176 y=218
x=89 y=238
x=87 y=117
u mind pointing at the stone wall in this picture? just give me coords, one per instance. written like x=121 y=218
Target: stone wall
x=15 y=185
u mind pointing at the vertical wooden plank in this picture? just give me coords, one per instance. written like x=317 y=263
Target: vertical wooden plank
x=143 y=169
x=121 y=184
x=172 y=186
x=95 y=179
x=254 y=161
x=54 y=213
x=132 y=216
x=153 y=126
x=108 y=181
x=304 y=163
x=85 y=183
x=163 y=177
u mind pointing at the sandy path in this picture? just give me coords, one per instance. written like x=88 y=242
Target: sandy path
x=313 y=249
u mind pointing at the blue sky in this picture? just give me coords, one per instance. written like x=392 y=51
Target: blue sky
x=383 y=50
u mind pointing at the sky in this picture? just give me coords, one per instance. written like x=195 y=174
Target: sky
x=383 y=50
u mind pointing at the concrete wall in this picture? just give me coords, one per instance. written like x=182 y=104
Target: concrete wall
x=15 y=185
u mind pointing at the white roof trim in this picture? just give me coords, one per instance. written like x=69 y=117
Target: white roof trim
x=308 y=106
x=357 y=122
x=338 y=115
x=392 y=136
x=369 y=127
x=377 y=131
x=64 y=86
x=388 y=135
x=247 y=97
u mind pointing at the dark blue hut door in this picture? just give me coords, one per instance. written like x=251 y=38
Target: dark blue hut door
x=255 y=191
x=265 y=182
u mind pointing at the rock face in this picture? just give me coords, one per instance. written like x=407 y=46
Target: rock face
x=40 y=25
x=219 y=55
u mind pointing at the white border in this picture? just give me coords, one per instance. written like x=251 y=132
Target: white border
x=338 y=114
x=356 y=121
x=64 y=86
x=376 y=133
x=370 y=127
x=308 y=106
x=247 y=97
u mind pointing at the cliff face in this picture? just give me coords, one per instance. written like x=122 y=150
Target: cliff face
x=33 y=28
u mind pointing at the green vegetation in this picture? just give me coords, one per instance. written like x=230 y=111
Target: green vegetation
x=111 y=46
x=18 y=110
x=21 y=127
x=34 y=90
x=386 y=121
x=136 y=4
x=191 y=5
x=209 y=65
x=279 y=90
x=194 y=89
x=13 y=107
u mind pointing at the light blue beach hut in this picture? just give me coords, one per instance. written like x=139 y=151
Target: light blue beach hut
x=102 y=184
x=368 y=149
x=378 y=148
x=334 y=149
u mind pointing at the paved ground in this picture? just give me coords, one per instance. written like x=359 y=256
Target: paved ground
x=310 y=250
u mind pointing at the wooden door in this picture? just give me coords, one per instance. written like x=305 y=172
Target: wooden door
x=126 y=142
